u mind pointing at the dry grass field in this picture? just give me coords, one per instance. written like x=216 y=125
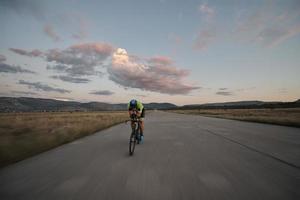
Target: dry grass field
x=25 y=134
x=284 y=116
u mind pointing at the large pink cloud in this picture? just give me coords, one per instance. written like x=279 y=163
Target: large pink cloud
x=154 y=76
x=157 y=74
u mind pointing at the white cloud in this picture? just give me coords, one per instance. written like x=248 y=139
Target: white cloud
x=151 y=76
x=268 y=25
x=273 y=36
x=206 y=11
x=77 y=60
x=157 y=74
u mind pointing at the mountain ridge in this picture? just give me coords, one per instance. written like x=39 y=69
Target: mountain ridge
x=244 y=105
x=28 y=104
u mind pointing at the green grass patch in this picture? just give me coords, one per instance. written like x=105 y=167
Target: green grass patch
x=26 y=134
x=280 y=116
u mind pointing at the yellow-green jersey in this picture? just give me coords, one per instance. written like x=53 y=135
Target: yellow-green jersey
x=139 y=106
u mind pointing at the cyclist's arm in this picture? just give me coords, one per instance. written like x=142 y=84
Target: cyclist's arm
x=139 y=108
x=130 y=110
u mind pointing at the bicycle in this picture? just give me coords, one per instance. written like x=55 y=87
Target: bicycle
x=135 y=137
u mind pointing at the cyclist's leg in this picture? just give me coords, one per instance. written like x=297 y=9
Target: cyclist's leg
x=142 y=121
x=132 y=127
x=141 y=124
x=142 y=127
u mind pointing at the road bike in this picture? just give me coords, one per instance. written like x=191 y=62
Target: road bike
x=135 y=137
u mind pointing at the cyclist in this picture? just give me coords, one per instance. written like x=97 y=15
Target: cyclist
x=136 y=107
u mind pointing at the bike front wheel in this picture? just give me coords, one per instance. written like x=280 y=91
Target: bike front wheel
x=132 y=144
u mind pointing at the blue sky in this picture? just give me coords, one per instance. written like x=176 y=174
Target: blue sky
x=183 y=52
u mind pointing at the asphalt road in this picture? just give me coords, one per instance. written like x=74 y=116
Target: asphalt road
x=183 y=157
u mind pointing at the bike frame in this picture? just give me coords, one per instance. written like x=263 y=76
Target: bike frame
x=134 y=137
x=136 y=127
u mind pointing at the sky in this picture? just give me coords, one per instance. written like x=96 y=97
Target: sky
x=182 y=52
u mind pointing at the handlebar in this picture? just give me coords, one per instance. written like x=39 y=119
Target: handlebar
x=136 y=120
x=134 y=117
x=133 y=120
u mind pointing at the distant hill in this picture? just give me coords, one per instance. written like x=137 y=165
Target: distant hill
x=160 y=106
x=243 y=104
x=25 y=104
x=224 y=104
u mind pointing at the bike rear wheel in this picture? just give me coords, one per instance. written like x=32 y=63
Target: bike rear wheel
x=132 y=144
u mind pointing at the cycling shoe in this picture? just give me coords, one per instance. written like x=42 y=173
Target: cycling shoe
x=142 y=139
